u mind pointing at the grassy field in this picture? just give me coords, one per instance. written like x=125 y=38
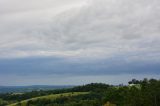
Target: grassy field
x=51 y=97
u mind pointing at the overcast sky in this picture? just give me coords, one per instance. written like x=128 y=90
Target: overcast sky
x=78 y=41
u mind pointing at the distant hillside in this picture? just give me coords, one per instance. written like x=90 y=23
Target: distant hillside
x=21 y=89
x=48 y=97
x=144 y=92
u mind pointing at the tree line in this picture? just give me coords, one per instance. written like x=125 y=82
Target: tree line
x=144 y=92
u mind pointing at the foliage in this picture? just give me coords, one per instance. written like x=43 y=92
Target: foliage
x=137 y=93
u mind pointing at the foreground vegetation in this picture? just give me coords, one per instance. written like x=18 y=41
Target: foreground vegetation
x=47 y=98
x=137 y=93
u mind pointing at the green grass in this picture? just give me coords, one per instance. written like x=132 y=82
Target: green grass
x=50 y=97
x=2 y=102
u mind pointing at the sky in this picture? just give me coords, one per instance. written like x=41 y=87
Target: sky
x=74 y=42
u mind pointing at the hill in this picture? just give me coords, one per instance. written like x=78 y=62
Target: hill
x=137 y=93
x=22 y=89
x=48 y=97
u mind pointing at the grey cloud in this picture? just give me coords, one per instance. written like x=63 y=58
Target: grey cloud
x=121 y=25
x=77 y=39
x=60 y=66
x=71 y=80
x=102 y=27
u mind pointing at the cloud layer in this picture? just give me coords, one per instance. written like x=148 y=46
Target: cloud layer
x=86 y=37
x=80 y=28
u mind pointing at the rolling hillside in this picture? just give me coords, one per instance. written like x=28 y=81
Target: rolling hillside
x=49 y=97
x=137 y=93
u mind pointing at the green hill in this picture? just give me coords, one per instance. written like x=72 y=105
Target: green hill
x=49 y=97
x=137 y=93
